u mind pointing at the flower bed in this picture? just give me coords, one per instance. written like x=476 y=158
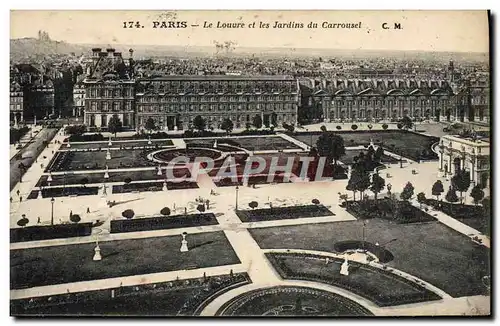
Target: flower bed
x=281 y=213
x=377 y=285
x=69 y=191
x=35 y=233
x=162 y=223
x=180 y=297
x=399 y=211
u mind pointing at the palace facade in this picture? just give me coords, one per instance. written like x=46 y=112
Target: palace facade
x=376 y=99
x=174 y=101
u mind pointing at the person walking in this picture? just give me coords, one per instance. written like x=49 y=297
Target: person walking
x=88 y=210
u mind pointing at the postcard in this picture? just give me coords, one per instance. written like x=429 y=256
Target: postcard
x=250 y=163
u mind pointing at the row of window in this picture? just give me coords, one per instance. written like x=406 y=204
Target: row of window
x=110 y=106
x=217 y=107
x=224 y=98
x=217 y=85
x=103 y=92
x=16 y=107
x=16 y=99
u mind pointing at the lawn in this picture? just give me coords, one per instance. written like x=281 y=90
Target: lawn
x=474 y=216
x=73 y=263
x=291 y=301
x=174 y=298
x=407 y=142
x=115 y=144
x=430 y=251
x=162 y=222
x=379 y=286
x=282 y=213
x=70 y=161
x=249 y=143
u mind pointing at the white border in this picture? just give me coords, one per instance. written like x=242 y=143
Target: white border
x=192 y=4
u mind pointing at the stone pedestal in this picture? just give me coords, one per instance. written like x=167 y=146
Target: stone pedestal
x=108 y=155
x=49 y=178
x=149 y=142
x=40 y=194
x=106 y=175
x=69 y=145
x=164 y=186
x=97 y=253
x=159 y=171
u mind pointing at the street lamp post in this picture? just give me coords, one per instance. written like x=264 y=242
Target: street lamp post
x=237 y=188
x=52 y=211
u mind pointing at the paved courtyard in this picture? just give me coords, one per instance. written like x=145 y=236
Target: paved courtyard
x=249 y=254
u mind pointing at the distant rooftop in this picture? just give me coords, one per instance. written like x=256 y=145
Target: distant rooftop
x=217 y=77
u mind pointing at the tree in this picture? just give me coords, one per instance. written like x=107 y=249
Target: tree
x=461 y=182
x=23 y=221
x=330 y=146
x=370 y=126
x=75 y=218
x=407 y=192
x=354 y=127
x=363 y=181
x=227 y=125
x=338 y=127
x=150 y=125
x=315 y=201
x=486 y=203
x=351 y=184
x=200 y=208
x=400 y=125
x=248 y=125
x=343 y=197
x=199 y=123
x=421 y=198
x=128 y=214
x=127 y=180
x=385 y=126
x=378 y=184
x=253 y=204
x=114 y=124
x=165 y=211
x=323 y=128
x=437 y=189
x=451 y=195
x=406 y=123
x=379 y=153
x=257 y=121
x=477 y=194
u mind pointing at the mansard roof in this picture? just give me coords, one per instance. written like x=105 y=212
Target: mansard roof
x=380 y=87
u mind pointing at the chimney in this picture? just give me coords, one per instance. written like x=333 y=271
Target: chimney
x=95 y=52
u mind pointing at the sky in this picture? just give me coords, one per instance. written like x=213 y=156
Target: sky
x=453 y=31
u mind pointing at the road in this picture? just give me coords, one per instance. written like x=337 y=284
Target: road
x=35 y=148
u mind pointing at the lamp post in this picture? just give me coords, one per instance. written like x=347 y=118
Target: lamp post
x=237 y=188
x=52 y=211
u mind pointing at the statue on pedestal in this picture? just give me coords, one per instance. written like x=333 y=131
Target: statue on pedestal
x=344 y=268
x=97 y=253
x=108 y=155
x=110 y=143
x=184 y=244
